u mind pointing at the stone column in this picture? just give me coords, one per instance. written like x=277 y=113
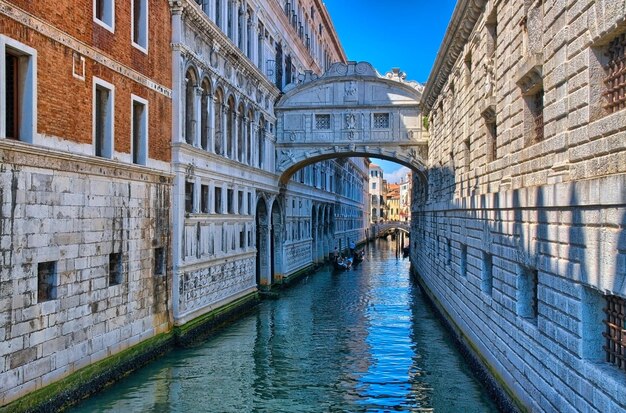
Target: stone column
x=197 y=122
x=236 y=18
x=212 y=197
x=265 y=255
x=255 y=39
x=244 y=140
x=225 y=9
x=236 y=199
x=235 y=154
x=224 y=130
x=261 y=51
x=211 y=137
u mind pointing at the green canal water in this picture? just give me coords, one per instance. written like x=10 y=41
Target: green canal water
x=363 y=340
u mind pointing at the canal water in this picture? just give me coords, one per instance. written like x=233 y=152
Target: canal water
x=363 y=340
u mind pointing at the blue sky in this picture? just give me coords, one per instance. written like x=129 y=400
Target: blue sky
x=401 y=33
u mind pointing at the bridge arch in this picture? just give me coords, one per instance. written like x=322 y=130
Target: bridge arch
x=350 y=111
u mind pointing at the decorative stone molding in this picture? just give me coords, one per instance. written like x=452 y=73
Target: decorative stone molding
x=530 y=74
x=464 y=18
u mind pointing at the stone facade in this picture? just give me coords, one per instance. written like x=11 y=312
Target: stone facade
x=376 y=192
x=84 y=186
x=519 y=232
x=236 y=229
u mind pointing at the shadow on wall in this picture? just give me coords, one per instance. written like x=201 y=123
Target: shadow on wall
x=546 y=257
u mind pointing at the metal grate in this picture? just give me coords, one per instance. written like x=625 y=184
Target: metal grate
x=381 y=120
x=322 y=121
x=615 y=333
x=615 y=79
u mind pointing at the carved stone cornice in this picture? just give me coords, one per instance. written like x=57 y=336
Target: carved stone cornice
x=194 y=15
x=464 y=19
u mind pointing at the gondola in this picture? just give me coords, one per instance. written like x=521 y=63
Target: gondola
x=343 y=263
x=358 y=257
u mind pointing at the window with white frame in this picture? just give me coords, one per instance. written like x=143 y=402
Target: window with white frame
x=104 y=13
x=103 y=95
x=140 y=24
x=18 y=90
x=139 y=128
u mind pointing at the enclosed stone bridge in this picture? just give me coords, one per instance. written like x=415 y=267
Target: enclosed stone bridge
x=350 y=111
x=392 y=226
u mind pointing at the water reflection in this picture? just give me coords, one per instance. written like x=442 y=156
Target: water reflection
x=361 y=340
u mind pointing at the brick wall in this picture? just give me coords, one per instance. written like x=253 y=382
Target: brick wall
x=554 y=209
x=59 y=32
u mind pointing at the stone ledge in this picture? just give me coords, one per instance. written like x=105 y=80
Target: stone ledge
x=29 y=155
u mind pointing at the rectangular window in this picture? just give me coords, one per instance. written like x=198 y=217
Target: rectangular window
x=615 y=334
x=240 y=202
x=373 y=185
x=139 y=130
x=230 y=201
x=46 y=281
x=189 y=197
x=204 y=199
x=140 y=24
x=381 y=121
x=13 y=101
x=463 y=262
x=249 y=203
x=159 y=261
x=103 y=118
x=527 y=304
x=536 y=105
x=242 y=239
x=322 y=122
x=487 y=274
x=19 y=107
x=115 y=268
x=218 y=200
x=104 y=13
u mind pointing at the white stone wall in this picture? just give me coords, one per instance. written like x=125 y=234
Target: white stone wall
x=557 y=206
x=75 y=211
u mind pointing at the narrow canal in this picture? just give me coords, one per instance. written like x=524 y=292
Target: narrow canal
x=360 y=340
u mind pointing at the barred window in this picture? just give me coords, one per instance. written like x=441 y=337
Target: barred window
x=615 y=86
x=615 y=333
x=116 y=275
x=381 y=120
x=322 y=121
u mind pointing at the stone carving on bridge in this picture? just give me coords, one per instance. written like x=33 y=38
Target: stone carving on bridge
x=352 y=95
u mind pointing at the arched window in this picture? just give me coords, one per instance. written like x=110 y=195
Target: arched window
x=190 y=121
x=230 y=128
x=204 y=114
x=218 y=121
x=261 y=142
x=240 y=125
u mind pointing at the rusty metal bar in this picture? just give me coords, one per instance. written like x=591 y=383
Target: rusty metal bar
x=615 y=333
x=615 y=80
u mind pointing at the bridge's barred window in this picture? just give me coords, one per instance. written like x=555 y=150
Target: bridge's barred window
x=322 y=121
x=46 y=281
x=381 y=120
x=614 y=79
x=615 y=334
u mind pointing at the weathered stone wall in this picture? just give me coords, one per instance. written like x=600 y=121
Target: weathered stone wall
x=551 y=207
x=75 y=211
